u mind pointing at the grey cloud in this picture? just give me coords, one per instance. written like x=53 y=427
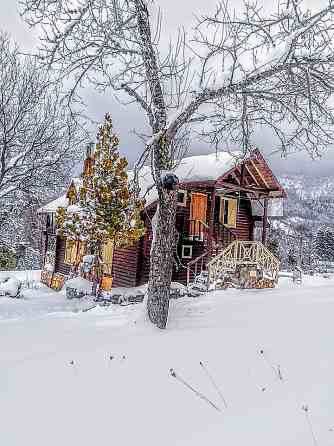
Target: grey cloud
x=176 y=13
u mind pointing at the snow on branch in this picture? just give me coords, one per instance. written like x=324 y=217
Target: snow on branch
x=236 y=73
x=38 y=136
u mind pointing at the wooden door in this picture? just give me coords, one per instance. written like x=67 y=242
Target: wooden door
x=198 y=209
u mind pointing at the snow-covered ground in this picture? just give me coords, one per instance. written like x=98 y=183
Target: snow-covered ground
x=102 y=377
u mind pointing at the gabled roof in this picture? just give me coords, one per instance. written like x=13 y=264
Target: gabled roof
x=254 y=176
x=212 y=168
x=52 y=207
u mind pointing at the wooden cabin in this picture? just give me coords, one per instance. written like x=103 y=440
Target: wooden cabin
x=219 y=202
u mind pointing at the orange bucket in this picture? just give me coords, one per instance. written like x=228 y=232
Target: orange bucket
x=106 y=283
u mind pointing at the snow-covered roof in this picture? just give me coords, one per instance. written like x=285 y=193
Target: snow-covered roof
x=60 y=201
x=190 y=169
x=54 y=205
x=193 y=168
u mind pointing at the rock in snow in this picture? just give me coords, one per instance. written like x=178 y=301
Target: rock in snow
x=80 y=284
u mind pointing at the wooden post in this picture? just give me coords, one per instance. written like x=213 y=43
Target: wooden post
x=46 y=243
x=264 y=221
x=211 y=223
x=242 y=173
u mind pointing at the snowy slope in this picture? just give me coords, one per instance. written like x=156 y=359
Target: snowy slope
x=310 y=199
x=308 y=186
x=309 y=203
x=131 y=399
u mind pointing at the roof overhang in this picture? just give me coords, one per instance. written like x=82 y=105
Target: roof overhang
x=252 y=176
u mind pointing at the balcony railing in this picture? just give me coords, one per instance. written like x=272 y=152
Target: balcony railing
x=241 y=252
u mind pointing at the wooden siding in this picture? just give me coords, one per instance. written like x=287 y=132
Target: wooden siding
x=60 y=265
x=243 y=230
x=131 y=265
x=125 y=265
x=145 y=248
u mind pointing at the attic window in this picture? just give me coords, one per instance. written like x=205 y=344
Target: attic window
x=187 y=251
x=182 y=197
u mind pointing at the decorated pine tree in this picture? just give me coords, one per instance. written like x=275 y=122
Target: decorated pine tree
x=107 y=207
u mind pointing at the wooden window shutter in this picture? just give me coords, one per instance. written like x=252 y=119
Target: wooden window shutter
x=70 y=252
x=232 y=213
x=107 y=256
x=81 y=251
x=222 y=210
x=228 y=212
x=74 y=253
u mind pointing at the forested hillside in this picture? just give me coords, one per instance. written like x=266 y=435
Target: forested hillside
x=309 y=208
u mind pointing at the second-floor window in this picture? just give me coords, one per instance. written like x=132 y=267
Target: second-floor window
x=228 y=212
x=50 y=223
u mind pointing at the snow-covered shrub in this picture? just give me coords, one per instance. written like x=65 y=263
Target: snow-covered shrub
x=9 y=286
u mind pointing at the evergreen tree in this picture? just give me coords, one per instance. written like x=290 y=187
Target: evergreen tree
x=291 y=259
x=107 y=208
x=273 y=246
x=324 y=244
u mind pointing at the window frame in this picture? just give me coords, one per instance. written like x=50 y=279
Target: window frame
x=185 y=197
x=190 y=256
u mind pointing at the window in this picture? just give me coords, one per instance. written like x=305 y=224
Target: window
x=182 y=197
x=187 y=251
x=50 y=223
x=228 y=212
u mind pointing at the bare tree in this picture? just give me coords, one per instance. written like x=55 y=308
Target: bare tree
x=39 y=142
x=235 y=74
x=39 y=138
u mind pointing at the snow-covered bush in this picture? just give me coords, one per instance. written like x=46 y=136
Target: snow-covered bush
x=9 y=286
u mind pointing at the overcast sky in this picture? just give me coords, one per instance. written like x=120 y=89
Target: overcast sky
x=176 y=13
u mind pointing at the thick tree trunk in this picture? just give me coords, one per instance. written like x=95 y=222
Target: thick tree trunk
x=161 y=267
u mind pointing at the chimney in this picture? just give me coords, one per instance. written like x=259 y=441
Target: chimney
x=90 y=150
x=89 y=161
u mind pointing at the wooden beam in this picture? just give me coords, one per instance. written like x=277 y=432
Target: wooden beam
x=259 y=173
x=211 y=222
x=265 y=221
x=235 y=187
x=242 y=171
x=251 y=174
x=235 y=177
